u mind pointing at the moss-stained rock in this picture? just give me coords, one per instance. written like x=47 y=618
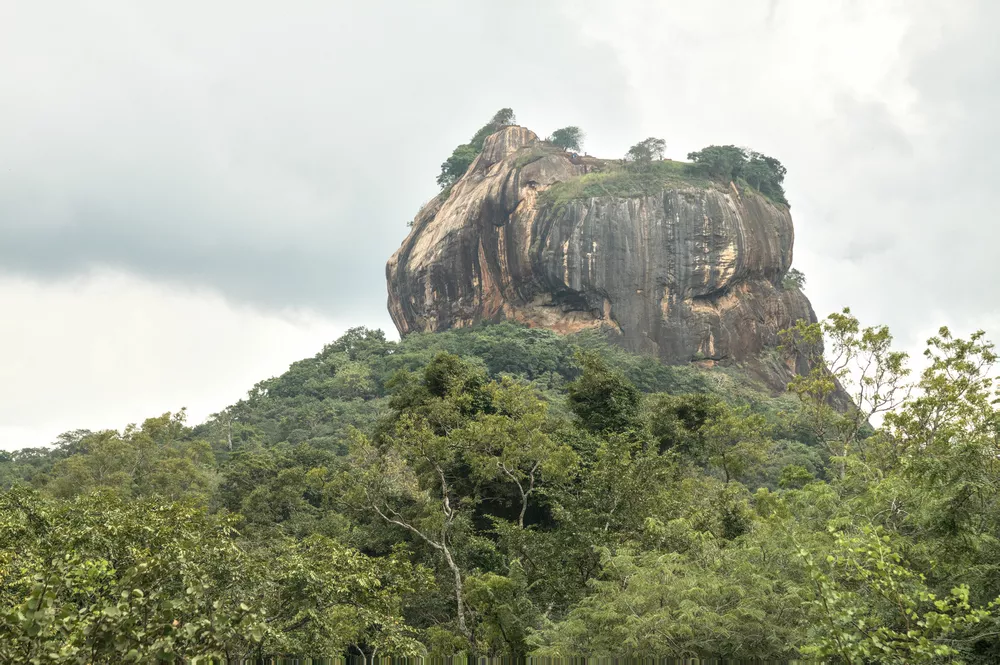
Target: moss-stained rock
x=672 y=264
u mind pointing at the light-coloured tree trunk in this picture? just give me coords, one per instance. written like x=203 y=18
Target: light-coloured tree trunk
x=440 y=544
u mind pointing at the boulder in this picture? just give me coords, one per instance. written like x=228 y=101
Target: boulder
x=668 y=262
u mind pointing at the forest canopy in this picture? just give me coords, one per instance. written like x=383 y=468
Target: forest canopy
x=503 y=490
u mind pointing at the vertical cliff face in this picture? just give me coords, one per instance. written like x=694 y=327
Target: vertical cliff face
x=679 y=267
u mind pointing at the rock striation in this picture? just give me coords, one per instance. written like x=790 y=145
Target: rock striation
x=689 y=270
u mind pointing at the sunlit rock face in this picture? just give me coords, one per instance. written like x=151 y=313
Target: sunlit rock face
x=689 y=272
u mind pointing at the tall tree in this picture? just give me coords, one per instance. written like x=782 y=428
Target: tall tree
x=860 y=360
x=736 y=441
x=645 y=151
x=512 y=444
x=567 y=138
x=603 y=398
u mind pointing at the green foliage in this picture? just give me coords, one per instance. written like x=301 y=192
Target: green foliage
x=868 y=604
x=675 y=422
x=721 y=162
x=99 y=579
x=457 y=164
x=503 y=605
x=515 y=443
x=862 y=362
x=735 y=441
x=730 y=164
x=158 y=458
x=603 y=399
x=793 y=279
x=567 y=138
x=501 y=118
x=506 y=490
x=645 y=151
x=699 y=601
x=795 y=476
x=462 y=157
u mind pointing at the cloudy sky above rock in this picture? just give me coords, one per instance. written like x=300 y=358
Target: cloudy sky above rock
x=194 y=195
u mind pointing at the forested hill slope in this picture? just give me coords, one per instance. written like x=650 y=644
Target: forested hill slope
x=349 y=384
x=507 y=490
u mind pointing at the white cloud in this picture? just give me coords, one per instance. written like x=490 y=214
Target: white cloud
x=107 y=349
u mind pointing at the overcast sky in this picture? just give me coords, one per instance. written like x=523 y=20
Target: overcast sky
x=195 y=194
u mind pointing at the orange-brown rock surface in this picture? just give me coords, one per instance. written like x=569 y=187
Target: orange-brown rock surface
x=690 y=271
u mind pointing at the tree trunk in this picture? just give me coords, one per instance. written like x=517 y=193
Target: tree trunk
x=459 y=603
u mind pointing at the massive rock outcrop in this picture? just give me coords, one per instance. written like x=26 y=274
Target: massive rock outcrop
x=687 y=269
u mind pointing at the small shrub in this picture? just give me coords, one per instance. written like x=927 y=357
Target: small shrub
x=794 y=279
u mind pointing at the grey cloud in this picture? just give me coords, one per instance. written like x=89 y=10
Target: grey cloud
x=937 y=197
x=276 y=156
x=864 y=247
x=896 y=211
x=273 y=155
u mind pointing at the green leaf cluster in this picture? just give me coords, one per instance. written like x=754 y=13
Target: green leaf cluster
x=730 y=163
x=567 y=138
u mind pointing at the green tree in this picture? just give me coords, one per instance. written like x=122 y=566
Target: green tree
x=645 y=151
x=861 y=362
x=676 y=422
x=795 y=476
x=868 y=605
x=156 y=458
x=722 y=162
x=793 y=279
x=736 y=441
x=730 y=163
x=462 y=157
x=457 y=164
x=410 y=484
x=512 y=444
x=503 y=606
x=602 y=398
x=322 y=597
x=707 y=602
x=99 y=579
x=567 y=138
x=452 y=434
x=354 y=380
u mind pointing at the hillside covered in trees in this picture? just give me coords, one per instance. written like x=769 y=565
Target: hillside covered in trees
x=506 y=490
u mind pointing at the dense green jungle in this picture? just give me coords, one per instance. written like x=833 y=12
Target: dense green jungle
x=507 y=491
